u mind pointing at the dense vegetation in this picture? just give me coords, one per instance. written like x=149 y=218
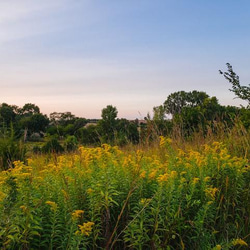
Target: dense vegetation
x=181 y=182
x=171 y=196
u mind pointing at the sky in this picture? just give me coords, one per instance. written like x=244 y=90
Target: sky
x=82 y=55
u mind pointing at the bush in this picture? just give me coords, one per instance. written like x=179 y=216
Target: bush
x=11 y=150
x=52 y=146
x=71 y=143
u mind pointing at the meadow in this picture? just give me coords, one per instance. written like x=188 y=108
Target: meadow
x=171 y=194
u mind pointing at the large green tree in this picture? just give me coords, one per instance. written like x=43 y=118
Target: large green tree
x=65 y=123
x=176 y=101
x=196 y=109
x=29 y=109
x=35 y=123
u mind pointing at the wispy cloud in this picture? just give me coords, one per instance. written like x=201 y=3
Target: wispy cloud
x=28 y=18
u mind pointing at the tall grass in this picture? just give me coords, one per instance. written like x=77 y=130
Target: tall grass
x=174 y=194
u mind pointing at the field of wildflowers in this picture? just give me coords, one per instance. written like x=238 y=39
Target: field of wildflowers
x=161 y=197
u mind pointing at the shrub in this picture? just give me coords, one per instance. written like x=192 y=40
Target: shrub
x=52 y=146
x=11 y=150
x=71 y=143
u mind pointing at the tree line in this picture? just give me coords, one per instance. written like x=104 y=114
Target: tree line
x=190 y=111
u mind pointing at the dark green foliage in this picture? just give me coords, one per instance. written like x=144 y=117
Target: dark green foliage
x=7 y=114
x=89 y=135
x=11 y=150
x=127 y=132
x=181 y=99
x=52 y=146
x=245 y=117
x=34 y=123
x=63 y=124
x=108 y=124
x=37 y=150
x=194 y=111
x=29 y=109
x=71 y=143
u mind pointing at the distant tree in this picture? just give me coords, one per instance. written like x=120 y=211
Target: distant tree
x=29 y=109
x=67 y=118
x=64 y=124
x=108 y=123
x=109 y=114
x=7 y=114
x=63 y=118
x=162 y=125
x=33 y=123
x=79 y=123
x=159 y=113
x=176 y=101
x=242 y=92
x=126 y=132
x=195 y=110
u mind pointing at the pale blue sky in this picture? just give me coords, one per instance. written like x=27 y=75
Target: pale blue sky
x=81 y=55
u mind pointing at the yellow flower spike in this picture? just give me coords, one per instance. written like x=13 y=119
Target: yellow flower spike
x=24 y=175
x=163 y=177
x=77 y=214
x=207 y=178
x=52 y=204
x=173 y=174
x=211 y=192
x=90 y=190
x=143 y=174
x=195 y=180
x=106 y=147
x=181 y=153
x=145 y=201
x=183 y=180
x=65 y=194
x=18 y=164
x=239 y=242
x=24 y=208
x=217 y=247
x=152 y=174
x=164 y=141
x=2 y=196
x=188 y=165
x=30 y=161
x=85 y=228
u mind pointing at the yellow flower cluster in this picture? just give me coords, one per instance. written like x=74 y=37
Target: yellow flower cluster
x=52 y=204
x=211 y=192
x=217 y=247
x=85 y=228
x=163 y=178
x=77 y=214
x=164 y=141
x=239 y=242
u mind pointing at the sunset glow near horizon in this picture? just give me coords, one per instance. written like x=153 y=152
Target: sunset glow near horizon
x=81 y=56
